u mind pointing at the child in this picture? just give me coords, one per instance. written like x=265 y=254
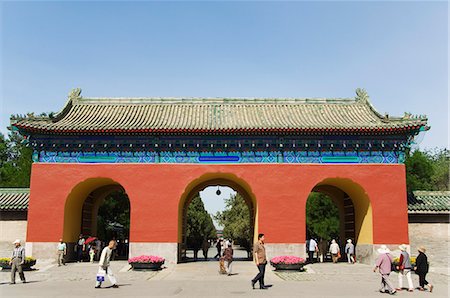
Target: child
x=92 y=253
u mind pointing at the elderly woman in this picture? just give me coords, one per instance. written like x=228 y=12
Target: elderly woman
x=421 y=269
x=335 y=251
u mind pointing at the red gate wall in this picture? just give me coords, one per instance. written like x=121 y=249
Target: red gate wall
x=154 y=190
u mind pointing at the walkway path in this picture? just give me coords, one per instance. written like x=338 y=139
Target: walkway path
x=202 y=280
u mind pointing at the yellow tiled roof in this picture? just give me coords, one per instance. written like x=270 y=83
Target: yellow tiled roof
x=166 y=115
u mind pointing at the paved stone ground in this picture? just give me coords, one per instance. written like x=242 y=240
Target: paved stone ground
x=201 y=279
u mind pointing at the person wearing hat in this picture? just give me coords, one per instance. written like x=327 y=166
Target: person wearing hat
x=350 y=251
x=422 y=269
x=17 y=260
x=384 y=265
x=404 y=268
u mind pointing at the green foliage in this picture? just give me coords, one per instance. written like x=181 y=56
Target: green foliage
x=322 y=216
x=15 y=161
x=236 y=221
x=114 y=210
x=199 y=225
x=427 y=170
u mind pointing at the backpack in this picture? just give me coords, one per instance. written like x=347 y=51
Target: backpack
x=307 y=245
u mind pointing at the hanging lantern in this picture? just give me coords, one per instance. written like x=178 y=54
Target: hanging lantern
x=218 y=192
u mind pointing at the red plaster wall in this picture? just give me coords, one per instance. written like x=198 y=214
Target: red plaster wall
x=154 y=191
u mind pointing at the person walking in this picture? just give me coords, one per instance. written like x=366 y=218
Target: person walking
x=62 y=251
x=404 y=268
x=103 y=266
x=228 y=258
x=312 y=249
x=17 y=261
x=219 y=248
x=259 y=252
x=322 y=249
x=384 y=265
x=205 y=248
x=350 y=251
x=98 y=249
x=335 y=251
x=80 y=248
x=421 y=269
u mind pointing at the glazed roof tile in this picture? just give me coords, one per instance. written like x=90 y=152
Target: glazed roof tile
x=14 y=199
x=166 y=115
x=429 y=202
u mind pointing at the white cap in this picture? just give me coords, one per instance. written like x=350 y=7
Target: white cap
x=16 y=241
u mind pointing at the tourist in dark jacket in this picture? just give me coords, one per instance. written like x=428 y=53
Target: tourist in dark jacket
x=422 y=269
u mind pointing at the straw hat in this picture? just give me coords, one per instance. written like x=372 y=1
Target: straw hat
x=16 y=241
x=383 y=249
x=421 y=249
x=403 y=247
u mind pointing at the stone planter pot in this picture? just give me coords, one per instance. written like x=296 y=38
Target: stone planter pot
x=146 y=266
x=287 y=266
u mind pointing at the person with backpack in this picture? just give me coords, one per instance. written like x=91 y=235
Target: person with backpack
x=404 y=268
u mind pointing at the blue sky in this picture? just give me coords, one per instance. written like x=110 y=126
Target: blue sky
x=396 y=50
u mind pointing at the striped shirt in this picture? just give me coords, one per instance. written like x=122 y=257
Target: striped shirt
x=18 y=253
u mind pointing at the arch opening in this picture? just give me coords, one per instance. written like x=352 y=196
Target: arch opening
x=97 y=208
x=243 y=193
x=354 y=212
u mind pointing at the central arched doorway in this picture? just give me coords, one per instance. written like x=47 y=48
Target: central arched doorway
x=99 y=210
x=192 y=194
x=353 y=215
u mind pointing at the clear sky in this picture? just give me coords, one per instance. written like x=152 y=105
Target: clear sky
x=398 y=51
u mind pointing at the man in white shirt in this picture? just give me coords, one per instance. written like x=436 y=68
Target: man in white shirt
x=104 y=266
x=312 y=249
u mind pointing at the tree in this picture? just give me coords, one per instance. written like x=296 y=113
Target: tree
x=427 y=170
x=322 y=216
x=236 y=221
x=114 y=210
x=15 y=161
x=199 y=225
x=419 y=169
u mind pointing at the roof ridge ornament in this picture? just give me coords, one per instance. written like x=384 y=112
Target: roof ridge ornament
x=362 y=95
x=75 y=93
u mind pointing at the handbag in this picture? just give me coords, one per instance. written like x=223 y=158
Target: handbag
x=339 y=255
x=101 y=275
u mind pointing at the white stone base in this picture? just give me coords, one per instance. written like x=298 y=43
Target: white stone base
x=41 y=250
x=167 y=250
x=284 y=249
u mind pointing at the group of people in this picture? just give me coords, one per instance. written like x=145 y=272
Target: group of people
x=322 y=248
x=384 y=265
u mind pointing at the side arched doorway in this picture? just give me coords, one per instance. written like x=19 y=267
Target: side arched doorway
x=354 y=214
x=192 y=191
x=97 y=208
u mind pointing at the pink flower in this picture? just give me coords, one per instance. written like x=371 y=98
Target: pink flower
x=287 y=260
x=146 y=259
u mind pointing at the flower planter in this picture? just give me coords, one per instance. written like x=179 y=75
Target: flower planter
x=146 y=266
x=146 y=262
x=287 y=263
x=26 y=266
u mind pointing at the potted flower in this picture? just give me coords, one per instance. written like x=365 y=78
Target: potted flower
x=287 y=263
x=146 y=262
x=396 y=263
x=29 y=262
